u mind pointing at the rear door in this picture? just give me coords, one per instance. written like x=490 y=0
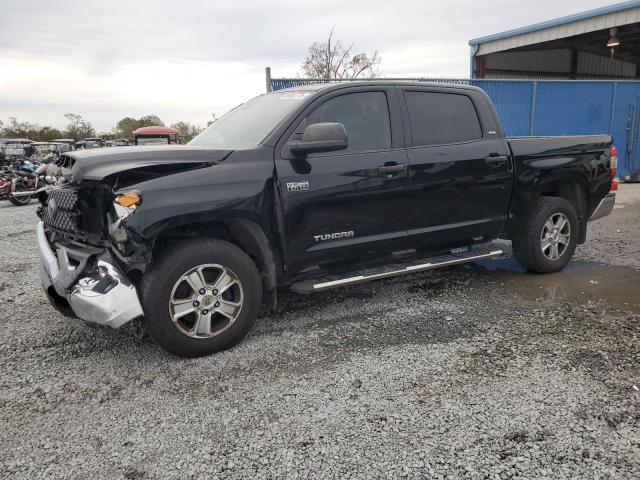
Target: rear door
x=351 y=204
x=459 y=167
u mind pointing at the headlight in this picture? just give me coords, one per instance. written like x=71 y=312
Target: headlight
x=125 y=204
x=128 y=200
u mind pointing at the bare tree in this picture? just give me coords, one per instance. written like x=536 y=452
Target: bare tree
x=330 y=59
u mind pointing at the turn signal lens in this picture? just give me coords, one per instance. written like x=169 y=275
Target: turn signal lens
x=128 y=200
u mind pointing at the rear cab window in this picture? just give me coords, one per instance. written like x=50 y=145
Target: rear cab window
x=437 y=118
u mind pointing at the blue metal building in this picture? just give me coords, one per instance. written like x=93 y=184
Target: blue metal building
x=575 y=75
x=582 y=77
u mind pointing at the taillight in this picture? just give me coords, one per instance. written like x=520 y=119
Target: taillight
x=613 y=169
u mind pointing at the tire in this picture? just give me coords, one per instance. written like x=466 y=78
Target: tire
x=533 y=246
x=167 y=293
x=20 y=201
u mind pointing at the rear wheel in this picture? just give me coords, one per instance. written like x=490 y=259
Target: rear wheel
x=547 y=240
x=200 y=297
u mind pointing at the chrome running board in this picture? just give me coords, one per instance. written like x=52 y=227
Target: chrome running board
x=318 y=285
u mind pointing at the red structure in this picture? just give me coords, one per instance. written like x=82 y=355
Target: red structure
x=156 y=136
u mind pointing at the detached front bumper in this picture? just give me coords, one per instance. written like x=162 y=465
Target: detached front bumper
x=89 y=281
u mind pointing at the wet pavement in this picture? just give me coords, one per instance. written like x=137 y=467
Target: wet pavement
x=605 y=269
x=579 y=282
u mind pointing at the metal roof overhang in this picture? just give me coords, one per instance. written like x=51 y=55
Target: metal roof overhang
x=582 y=23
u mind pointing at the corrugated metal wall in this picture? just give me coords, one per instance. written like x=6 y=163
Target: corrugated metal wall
x=556 y=63
x=538 y=107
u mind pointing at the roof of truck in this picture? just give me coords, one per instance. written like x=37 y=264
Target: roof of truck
x=321 y=85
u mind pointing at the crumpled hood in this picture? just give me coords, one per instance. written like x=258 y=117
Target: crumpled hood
x=100 y=163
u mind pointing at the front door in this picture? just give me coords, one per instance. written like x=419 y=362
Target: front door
x=351 y=204
x=460 y=171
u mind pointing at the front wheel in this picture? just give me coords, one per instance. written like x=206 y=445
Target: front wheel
x=200 y=297
x=20 y=201
x=547 y=240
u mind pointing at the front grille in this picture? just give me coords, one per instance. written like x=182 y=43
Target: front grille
x=61 y=211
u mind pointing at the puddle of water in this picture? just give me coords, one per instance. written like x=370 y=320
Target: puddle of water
x=577 y=282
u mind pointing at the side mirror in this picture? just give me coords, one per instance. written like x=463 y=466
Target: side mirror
x=320 y=137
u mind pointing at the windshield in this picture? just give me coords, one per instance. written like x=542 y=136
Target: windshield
x=249 y=124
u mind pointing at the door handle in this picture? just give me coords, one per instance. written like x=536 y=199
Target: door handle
x=392 y=168
x=496 y=160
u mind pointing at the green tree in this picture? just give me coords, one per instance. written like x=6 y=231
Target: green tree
x=16 y=129
x=46 y=134
x=126 y=126
x=187 y=131
x=78 y=128
x=150 y=121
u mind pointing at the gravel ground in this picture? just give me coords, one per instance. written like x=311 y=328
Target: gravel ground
x=615 y=239
x=447 y=374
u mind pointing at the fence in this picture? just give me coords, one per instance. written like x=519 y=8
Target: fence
x=557 y=107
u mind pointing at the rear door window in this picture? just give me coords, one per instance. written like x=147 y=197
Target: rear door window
x=442 y=118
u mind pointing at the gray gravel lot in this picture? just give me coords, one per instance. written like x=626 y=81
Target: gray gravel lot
x=478 y=371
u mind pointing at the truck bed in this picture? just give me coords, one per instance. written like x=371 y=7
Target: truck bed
x=542 y=161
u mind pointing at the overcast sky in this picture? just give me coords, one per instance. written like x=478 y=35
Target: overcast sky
x=184 y=60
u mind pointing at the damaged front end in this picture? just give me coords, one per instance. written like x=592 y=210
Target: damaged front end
x=87 y=255
x=85 y=282
x=91 y=254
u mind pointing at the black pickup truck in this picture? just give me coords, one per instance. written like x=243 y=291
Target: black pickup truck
x=309 y=188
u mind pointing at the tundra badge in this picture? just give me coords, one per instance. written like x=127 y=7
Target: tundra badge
x=297 y=186
x=333 y=236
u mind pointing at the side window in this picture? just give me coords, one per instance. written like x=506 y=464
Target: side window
x=441 y=118
x=365 y=117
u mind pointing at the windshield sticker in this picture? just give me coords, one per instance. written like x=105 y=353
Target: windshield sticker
x=294 y=95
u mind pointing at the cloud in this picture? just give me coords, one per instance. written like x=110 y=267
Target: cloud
x=183 y=60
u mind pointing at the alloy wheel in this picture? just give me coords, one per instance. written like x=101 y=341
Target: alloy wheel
x=555 y=236
x=206 y=300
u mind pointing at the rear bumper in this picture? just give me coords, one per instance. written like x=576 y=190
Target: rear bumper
x=89 y=281
x=604 y=208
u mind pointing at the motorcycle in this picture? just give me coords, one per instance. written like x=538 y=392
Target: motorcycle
x=22 y=182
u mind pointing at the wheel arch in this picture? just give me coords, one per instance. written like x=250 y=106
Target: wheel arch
x=572 y=188
x=244 y=233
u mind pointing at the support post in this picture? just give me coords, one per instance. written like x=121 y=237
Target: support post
x=267 y=75
x=532 y=121
x=574 y=63
x=613 y=106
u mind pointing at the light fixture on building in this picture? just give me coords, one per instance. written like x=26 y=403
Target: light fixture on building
x=613 y=41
